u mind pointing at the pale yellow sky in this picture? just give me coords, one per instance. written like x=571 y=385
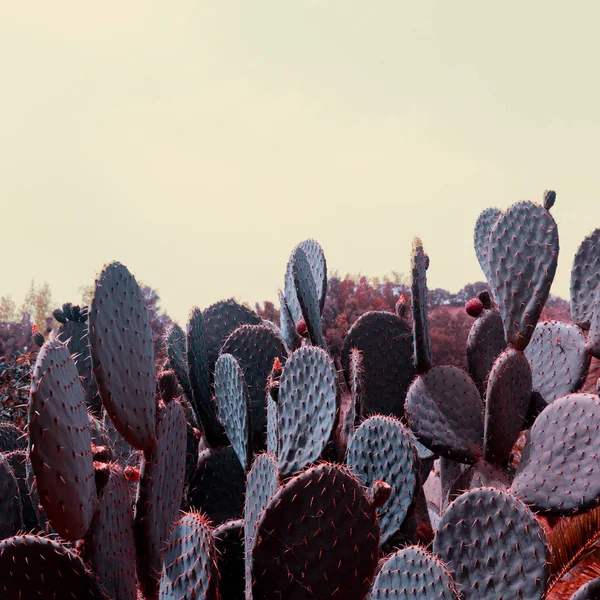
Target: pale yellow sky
x=198 y=142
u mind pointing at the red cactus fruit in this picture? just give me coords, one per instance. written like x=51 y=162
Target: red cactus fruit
x=474 y=307
x=301 y=328
x=132 y=473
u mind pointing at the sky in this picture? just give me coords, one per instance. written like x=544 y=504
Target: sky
x=198 y=142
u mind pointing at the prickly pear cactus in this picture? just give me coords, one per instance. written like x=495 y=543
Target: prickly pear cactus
x=256 y=347
x=493 y=547
x=176 y=353
x=306 y=408
x=17 y=459
x=385 y=343
x=523 y=257
x=585 y=279
x=422 y=344
x=109 y=546
x=446 y=399
x=558 y=358
x=159 y=494
x=382 y=449
x=11 y=512
x=560 y=465
x=288 y=328
x=322 y=504
x=261 y=485
x=60 y=442
x=11 y=438
x=589 y=591
x=190 y=561
x=507 y=400
x=36 y=567
x=481 y=239
x=413 y=574
x=229 y=543
x=123 y=355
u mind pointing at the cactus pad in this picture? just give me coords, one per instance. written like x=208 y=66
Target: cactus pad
x=385 y=342
x=413 y=574
x=233 y=405
x=558 y=359
x=176 y=353
x=60 y=442
x=318 y=268
x=37 y=567
x=287 y=326
x=123 y=355
x=17 y=459
x=493 y=546
x=382 y=449
x=159 y=493
x=197 y=344
x=445 y=412
x=261 y=485
x=11 y=438
x=190 y=561
x=109 y=546
x=481 y=239
x=229 y=543
x=306 y=408
x=422 y=343
x=322 y=504
x=272 y=434
x=11 y=512
x=559 y=472
x=588 y=591
x=585 y=279
x=523 y=258
x=484 y=344
x=507 y=400
x=256 y=347
x=218 y=485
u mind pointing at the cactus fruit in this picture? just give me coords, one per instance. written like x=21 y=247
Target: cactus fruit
x=229 y=543
x=11 y=512
x=218 y=485
x=123 y=355
x=484 y=344
x=474 y=307
x=558 y=358
x=446 y=399
x=493 y=546
x=233 y=406
x=197 y=346
x=60 y=442
x=385 y=341
x=293 y=555
x=585 y=279
x=11 y=438
x=318 y=269
x=306 y=408
x=523 y=257
x=159 y=494
x=560 y=465
x=256 y=347
x=308 y=297
x=109 y=546
x=413 y=574
x=37 y=567
x=507 y=400
x=422 y=344
x=190 y=561
x=261 y=485
x=381 y=449
x=175 y=346
x=481 y=239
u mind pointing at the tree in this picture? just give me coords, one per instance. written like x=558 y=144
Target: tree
x=38 y=303
x=8 y=309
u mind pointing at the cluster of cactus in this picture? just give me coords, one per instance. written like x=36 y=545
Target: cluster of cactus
x=252 y=466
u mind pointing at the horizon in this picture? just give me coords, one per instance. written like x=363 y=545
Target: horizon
x=198 y=144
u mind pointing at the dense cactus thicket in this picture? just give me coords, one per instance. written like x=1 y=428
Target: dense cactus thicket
x=255 y=466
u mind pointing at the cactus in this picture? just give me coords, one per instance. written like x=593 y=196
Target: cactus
x=233 y=406
x=287 y=325
x=322 y=504
x=306 y=409
x=11 y=438
x=123 y=355
x=422 y=344
x=60 y=442
x=588 y=591
x=481 y=240
x=493 y=546
x=17 y=459
x=190 y=561
x=37 y=567
x=585 y=279
x=176 y=353
x=385 y=342
x=559 y=468
x=229 y=543
x=11 y=511
x=382 y=449
x=413 y=573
